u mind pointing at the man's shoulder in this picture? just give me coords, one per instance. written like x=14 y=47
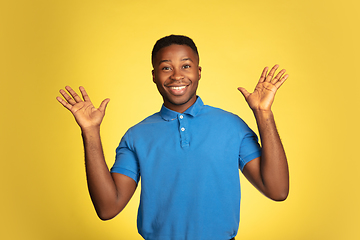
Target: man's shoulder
x=153 y=118
x=223 y=117
x=219 y=112
x=148 y=121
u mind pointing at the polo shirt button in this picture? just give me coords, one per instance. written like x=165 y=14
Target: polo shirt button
x=182 y=129
x=181 y=116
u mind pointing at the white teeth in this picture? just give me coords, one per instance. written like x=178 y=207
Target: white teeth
x=178 y=88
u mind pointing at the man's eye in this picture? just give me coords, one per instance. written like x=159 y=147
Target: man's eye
x=186 y=66
x=166 y=68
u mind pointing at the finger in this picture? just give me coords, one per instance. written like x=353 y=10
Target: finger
x=271 y=73
x=244 y=92
x=67 y=97
x=64 y=103
x=84 y=94
x=278 y=76
x=103 y=105
x=263 y=74
x=73 y=94
x=281 y=81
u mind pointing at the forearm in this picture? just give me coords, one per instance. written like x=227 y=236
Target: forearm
x=273 y=164
x=101 y=185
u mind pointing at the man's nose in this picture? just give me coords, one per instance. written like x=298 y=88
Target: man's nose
x=177 y=75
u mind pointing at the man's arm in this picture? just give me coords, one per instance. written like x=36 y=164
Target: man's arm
x=268 y=173
x=109 y=192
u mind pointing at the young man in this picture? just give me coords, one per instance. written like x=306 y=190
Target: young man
x=188 y=155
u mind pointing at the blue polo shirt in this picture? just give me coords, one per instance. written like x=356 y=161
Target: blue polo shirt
x=189 y=168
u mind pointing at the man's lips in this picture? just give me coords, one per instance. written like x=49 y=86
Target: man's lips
x=177 y=90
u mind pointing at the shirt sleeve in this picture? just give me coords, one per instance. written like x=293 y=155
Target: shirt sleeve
x=249 y=148
x=126 y=161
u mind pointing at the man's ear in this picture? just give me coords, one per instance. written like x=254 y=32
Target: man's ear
x=153 y=75
x=199 y=72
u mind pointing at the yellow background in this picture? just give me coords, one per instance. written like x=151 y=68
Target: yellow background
x=106 y=45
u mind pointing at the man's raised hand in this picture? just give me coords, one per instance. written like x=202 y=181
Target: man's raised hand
x=264 y=93
x=86 y=115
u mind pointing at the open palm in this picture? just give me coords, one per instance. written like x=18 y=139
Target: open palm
x=265 y=90
x=86 y=115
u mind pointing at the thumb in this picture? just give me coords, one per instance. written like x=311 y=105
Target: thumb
x=104 y=104
x=244 y=92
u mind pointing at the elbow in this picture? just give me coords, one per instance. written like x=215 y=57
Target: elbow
x=105 y=218
x=278 y=192
x=108 y=210
x=106 y=215
x=279 y=196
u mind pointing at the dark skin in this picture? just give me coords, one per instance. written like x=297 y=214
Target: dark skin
x=268 y=173
x=176 y=74
x=109 y=192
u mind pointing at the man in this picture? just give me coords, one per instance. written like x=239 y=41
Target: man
x=187 y=155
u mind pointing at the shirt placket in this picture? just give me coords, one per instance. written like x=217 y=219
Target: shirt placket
x=183 y=129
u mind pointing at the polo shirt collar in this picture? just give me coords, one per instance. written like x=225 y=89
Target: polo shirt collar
x=193 y=110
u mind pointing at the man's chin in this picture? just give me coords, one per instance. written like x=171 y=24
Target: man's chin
x=180 y=101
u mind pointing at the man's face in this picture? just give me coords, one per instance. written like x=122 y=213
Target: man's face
x=176 y=74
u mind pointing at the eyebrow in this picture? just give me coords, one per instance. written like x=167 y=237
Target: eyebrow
x=184 y=59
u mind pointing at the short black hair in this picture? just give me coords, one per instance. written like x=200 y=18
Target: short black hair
x=172 y=39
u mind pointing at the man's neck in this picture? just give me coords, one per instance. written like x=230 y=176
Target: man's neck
x=180 y=108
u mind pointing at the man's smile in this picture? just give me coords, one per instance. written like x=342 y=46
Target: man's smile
x=177 y=90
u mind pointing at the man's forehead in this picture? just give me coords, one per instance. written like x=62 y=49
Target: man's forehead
x=182 y=52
